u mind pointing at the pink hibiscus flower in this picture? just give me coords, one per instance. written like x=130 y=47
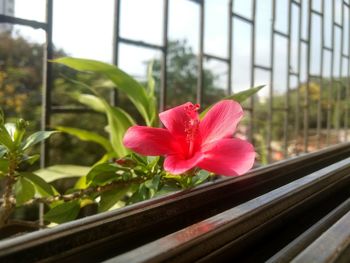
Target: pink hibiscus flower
x=188 y=142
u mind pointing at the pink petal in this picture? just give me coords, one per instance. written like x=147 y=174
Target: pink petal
x=175 y=119
x=228 y=157
x=149 y=141
x=220 y=121
x=176 y=165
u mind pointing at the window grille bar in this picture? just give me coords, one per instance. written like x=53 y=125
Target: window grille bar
x=317 y=12
x=307 y=91
x=347 y=91
x=23 y=22
x=209 y=56
x=47 y=84
x=282 y=34
x=272 y=65
x=330 y=49
x=330 y=95
x=287 y=102
x=242 y=18
x=321 y=69
x=229 y=48
x=164 y=71
x=201 y=52
x=296 y=3
x=340 y=84
x=139 y=43
x=115 y=53
x=262 y=67
x=297 y=108
x=252 y=75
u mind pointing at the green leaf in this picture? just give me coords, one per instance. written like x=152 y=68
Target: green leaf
x=238 y=97
x=153 y=184
x=31 y=159
x=3 y=150
x=36 y=138
x=24 y=190
x=5 y=138
x=118 y=122
x=81 y=183
x=89 y=100
x=4 y=164
x=110 y=198
x=63 y=212
x=42 y=187
x=135 y=92
x=152 y=101
x=55 y=172
x=200 y=177
x=105 y=169
x=87 y=136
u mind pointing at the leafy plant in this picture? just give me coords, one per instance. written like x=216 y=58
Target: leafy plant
x=118 y=179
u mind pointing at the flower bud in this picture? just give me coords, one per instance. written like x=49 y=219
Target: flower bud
x=126 y=162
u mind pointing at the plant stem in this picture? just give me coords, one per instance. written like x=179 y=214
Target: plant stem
x=83 y=192
x=8 y=204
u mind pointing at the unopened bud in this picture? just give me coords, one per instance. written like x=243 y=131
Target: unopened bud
x=126 y=162
x=21 y=124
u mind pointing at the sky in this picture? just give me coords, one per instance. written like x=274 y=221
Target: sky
x=84 y=28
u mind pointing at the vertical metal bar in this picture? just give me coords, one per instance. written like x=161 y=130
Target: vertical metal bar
x=347 y=96
x=229 y=48
x=200 y=55
x=272 y=57
x=319 y=102
x=340 y=83
x=252 y=74
x=297 y=108
x=46 y=92
x=116 y=35
x=330 y=94
x=307 y=95
x=286 y=116
x=163 y=78
x=47 y=83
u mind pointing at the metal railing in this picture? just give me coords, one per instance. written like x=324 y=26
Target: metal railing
x=301 y=15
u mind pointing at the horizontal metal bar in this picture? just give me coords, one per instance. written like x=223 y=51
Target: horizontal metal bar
x=296 y=74
x=306 y=41
x=282 y=34
x=23 y=22
x=66 y=109
x=295 y=2
x=317 y=12
x=345 y=56
x=196 y=1
x=332 y=246
x=209 y=56
x=328 y=48
x=118 y=231
x=304 y=240
x=245 y=19
x=140 y=43
x=346 y=4
x=338 y=25
x=223 y=231
x=262 y=67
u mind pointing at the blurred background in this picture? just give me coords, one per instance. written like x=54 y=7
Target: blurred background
x=298 y=49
